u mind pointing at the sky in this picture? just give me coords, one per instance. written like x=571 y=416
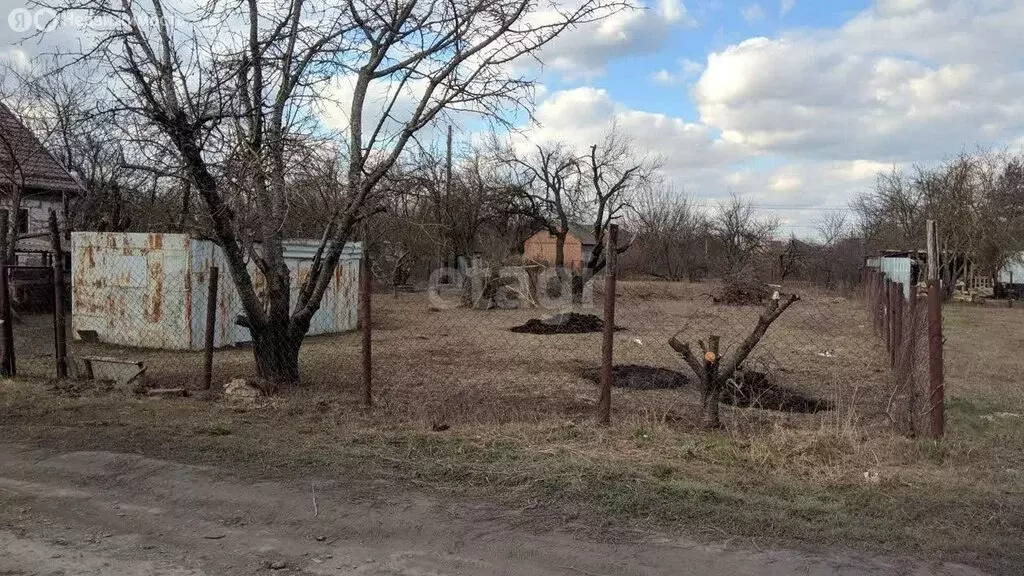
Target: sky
x=793 y=103
x=796 y=104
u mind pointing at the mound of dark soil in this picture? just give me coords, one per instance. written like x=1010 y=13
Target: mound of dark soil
x=755 y=390
x=566 y=323
x=639 y=377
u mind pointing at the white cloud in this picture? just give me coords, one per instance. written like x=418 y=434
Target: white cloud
x=905 y=80
x=585 y=52
x=752 y=13
x=671 y=10
x=687 y=70
x=785 y=6
x=663 y=77
x=581 y=116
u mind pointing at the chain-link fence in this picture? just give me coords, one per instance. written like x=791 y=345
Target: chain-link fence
x=485 y=343
x=906 y=316
x=29 y=324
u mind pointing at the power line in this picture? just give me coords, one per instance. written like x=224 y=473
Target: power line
x=784 y=207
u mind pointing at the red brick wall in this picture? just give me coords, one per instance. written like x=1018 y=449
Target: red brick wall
x=541 y=247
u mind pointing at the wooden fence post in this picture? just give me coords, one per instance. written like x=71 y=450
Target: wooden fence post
x=366 y=323
x=211 y=325
x=936 y=384
x=60 y=334
x=604 y=406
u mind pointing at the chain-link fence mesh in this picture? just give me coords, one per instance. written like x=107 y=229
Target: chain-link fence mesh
x=31 y=300
x=899 y=314
x=486 y=343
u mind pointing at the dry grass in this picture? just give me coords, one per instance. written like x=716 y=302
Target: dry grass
x=521 y=425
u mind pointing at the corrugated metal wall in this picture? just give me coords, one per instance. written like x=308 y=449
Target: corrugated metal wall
x=149 y=290
x=1013 y=272
x=896 y=269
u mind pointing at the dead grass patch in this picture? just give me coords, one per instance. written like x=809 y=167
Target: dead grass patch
x=520 y=427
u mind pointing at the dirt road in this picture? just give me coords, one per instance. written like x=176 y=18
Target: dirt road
x=98 y=513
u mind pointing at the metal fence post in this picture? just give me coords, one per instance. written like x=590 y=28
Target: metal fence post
x=60 y=335
x=7 y=365
x=211 y=325
x=604 y=406
x=887 y=317
x=936 y=385
x=366 y=324
x=897 y=334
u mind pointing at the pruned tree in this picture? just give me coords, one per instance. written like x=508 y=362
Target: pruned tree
x=210 y=95
x=713 y=370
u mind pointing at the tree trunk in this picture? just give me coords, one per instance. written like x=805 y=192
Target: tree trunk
x=712 y=384
x=710 y=401
x=276 y=349
x=560 y=250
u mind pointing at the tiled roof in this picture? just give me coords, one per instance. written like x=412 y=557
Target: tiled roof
x=19 y=147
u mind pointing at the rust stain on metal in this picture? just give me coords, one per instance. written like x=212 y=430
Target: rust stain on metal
x=156 y=291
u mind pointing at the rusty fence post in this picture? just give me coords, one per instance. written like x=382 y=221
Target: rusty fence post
x=909 y=358
x=897 y=331
x=936 y=384
x=887 y=316
x=366 y=324
x=60 y=334
x=880 y=305
x=211 y=326
x=604 y=405
x=7 y=366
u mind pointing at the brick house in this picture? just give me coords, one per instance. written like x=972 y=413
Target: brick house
x=579 y=245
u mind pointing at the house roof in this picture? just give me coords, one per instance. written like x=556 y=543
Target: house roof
x=22 y=155
x=585 y=234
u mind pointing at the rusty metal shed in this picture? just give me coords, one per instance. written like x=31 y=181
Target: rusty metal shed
x=150 y=290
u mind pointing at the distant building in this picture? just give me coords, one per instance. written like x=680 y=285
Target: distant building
x=903 y=266
x=1010 y=279
x=27 y=166
x=579 y=246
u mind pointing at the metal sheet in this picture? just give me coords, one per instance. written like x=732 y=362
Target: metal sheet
x=149 y=290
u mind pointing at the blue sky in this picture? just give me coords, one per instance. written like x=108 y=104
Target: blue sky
x=795 y=105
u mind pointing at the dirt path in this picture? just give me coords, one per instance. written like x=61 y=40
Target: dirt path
x=99 y=513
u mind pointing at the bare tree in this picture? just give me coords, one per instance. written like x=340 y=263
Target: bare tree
x=740 y=233
x=213 y=95
x=974 y=197
x=671 y=232
x=547 y=186
x=614 y=174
